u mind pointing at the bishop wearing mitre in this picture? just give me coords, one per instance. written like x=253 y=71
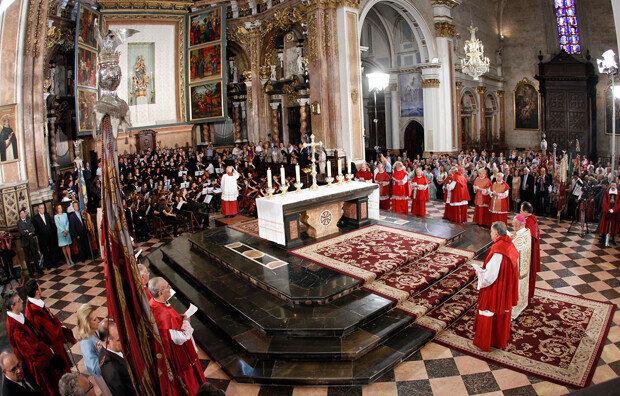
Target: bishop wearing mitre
x=400 y=189
x=383 y=179
x=482 y=200
x=497 y=291
x=419 y=196
x=499 y=199
x=522 y=239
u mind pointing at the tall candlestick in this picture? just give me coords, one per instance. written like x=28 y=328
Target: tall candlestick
x=282 y=178
x=269 y=185
x=339 y=167
x=329 y=169
x=349 y=167
x=297 y=173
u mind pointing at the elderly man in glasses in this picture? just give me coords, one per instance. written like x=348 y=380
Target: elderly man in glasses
x=15 y=382
x=75 y=384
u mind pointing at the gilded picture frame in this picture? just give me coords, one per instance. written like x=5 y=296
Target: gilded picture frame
x=206 y=102
x=526 y=106
x=9 y=134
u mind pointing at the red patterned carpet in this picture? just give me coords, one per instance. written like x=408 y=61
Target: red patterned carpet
x=248 y=227
x=371 y=251
x=558 y=337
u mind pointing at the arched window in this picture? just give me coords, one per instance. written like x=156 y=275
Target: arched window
x=568 y=30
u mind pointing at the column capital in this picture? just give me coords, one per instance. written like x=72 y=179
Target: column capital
x=430 y=83
x=458 y=84
x=446 y=3
x=274 y=105
x=481 y=90
x=444 y=29
x=315 y=4
x=500 y=94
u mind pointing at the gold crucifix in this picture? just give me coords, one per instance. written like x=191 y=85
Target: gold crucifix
x=313 y=147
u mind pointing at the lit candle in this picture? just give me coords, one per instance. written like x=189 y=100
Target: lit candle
x=282 y=178
x=339 y=167
x=329 y=169
x=269 y=185
x=348 y=168
x=297 y=173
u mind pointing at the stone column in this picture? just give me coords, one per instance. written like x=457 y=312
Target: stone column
x=431 y=98
x=303 y=116
x=237 y=121
x=275 y=126
x=52 y=139
x=444 y=32
x=395 y=113
x=459 y=128
x=482 y=132
x=502 y=120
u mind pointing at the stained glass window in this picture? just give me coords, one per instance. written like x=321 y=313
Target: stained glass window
x=568 y=30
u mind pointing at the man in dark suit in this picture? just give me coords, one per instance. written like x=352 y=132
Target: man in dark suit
x=26 y=230
x=45 y=230
x=78 y=232
x=15 y=382
x=113 y=364
x=527 y=186
x=542 y=195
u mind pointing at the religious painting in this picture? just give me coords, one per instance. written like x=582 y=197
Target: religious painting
x=608 y=110
x=141 y=67
x=205 y=27
x=9 y=150
x=85 y=103
x=526 y=101
x=86 y=26
x=205 y=63
x=86 y=67
x=206 y=101
x=411 y=102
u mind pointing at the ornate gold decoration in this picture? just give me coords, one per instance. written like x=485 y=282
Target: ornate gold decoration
x=313 y=50
x=248 y=96
x=290 y=92
x=247 y=75
x=35 y=26
x=459 y=85
x=430 y=83
x=481 y=90
x=355 y=94
x=500 y=94
x=265 y=72
x=314 y=4
x=444 y=29
x=178 y=5
x=268 y=87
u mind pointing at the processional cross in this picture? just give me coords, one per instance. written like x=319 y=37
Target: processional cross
x=313 y=147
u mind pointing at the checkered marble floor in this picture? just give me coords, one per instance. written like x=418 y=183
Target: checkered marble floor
x=570 y=264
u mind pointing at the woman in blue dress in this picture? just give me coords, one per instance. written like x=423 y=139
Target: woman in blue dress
x=64 y=237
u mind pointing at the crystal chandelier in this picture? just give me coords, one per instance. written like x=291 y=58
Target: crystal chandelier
x=475 y=63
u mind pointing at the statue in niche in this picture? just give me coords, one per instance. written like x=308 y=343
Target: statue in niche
x=301 y=67
x=234 y=72
x=140 y=80
x=499 y=53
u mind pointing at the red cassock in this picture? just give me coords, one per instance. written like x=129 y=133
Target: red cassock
x=148 y=293
x=498 y=298
x=383 y=179
x=461 y=196
x=499 y=204
x=400 y=192
x=364 y=176
x=609 y=221
x=52 y=331
x=183 y=358
x=419 y=196
x=531 y=223
x=482 y=216
x=34 y=354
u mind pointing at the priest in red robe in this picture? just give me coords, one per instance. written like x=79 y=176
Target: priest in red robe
x=400 y=189
x=531 y=223
x=461 y=193
x=383 y=179
x=482 y=200
x=419 y=196
x=176 y=335
x=610 y=219
x=364 y=175
x=499 y=199
x=48 y=325
x=498 y=291
x=29 y=347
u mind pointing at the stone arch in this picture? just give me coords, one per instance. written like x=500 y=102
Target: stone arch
x=469 y=117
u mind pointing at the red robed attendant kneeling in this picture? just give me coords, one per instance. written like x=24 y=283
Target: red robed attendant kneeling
x=498 y=286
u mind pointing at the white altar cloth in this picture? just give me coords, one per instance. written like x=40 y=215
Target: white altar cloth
x=271 y=211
